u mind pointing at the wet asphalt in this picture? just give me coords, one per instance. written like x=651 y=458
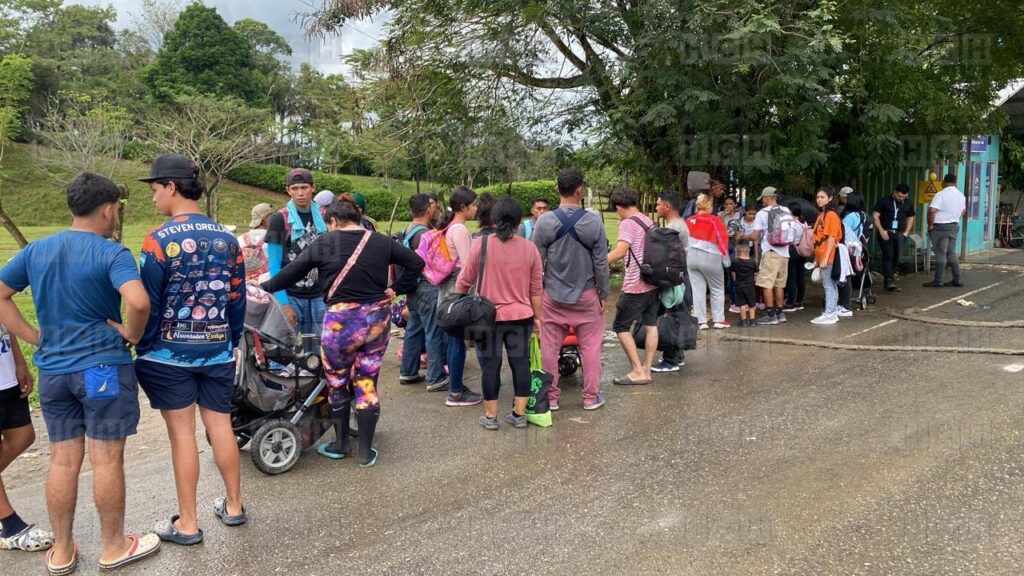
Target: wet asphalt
x=756 y=458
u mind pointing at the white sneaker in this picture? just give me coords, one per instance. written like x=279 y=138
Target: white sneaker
x=825 y=319
x=844 y=313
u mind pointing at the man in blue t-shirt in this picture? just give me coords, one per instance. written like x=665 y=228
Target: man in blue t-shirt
x=194 y=273
x=87 y=388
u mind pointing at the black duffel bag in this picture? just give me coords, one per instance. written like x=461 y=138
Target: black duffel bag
x=676 y=328
x=468 y=315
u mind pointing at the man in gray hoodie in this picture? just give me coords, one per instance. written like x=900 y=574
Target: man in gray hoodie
x=574 y=249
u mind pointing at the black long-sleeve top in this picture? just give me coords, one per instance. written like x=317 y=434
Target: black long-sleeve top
x=368 y=278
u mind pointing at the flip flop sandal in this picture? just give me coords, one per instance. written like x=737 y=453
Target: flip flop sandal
x=220 y=509
x=323 y=451
x=66 y=569
x=31 y=539
x=372 y=460
x=142 y=547
x=627 y=381
x=168 y=533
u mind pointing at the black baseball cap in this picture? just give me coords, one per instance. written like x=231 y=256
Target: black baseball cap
x=298 y=176
x=171 y=167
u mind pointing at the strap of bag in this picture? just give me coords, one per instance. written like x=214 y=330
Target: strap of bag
x=412 y=233
x=569 y=225
x=646 y=228
x=535 y=363
x=351 y=262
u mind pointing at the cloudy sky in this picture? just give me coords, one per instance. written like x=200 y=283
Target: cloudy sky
x=278 y=14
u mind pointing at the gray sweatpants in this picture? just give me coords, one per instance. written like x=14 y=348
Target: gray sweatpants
x=705 y=271
x=943 y=237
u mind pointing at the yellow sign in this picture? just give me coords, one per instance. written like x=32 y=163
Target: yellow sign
x=927 y=189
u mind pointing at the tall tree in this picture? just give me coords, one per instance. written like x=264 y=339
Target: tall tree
x=15 y=87
x=203 y=55
x=756 y=88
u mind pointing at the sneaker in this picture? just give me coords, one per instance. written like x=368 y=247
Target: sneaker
x=597 y=403
x=441 y=384
x=489 y=423
x=553 y=406
x=722 y=325
x=465 y=398
x=664 y=366
x=844 y=313
x=703 y=326
x=407 y=380
x=734 y=309
x=767 y=320
x=791 y=308
x=517 y=421
x=954 y=284
x=932 y=284
x=781 y=317
x=825 y=319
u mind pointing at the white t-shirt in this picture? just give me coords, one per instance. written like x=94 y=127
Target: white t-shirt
x=8 y=377
x=761 y=225
x=950 y=204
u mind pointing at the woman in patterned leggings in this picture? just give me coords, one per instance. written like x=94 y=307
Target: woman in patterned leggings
x=353 y=265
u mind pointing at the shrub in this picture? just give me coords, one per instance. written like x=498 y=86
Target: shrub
x=272 y=177
x=380 y=202
x=525 y=192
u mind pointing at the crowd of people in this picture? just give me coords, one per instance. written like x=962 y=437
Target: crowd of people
x=335 y=276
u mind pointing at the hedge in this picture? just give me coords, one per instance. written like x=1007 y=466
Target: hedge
x=525 y=192
x=272 y=177
x=379 y=204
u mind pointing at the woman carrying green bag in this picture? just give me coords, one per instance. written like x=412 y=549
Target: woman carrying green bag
x=511 y=279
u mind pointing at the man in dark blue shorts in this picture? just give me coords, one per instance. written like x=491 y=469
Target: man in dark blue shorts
x=87 y=387
x=193 y=271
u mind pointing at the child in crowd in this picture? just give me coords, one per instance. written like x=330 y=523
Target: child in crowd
x=746 y=232
x=744 y=271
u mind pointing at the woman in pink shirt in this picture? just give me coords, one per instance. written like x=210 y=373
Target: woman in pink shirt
x=512 y=281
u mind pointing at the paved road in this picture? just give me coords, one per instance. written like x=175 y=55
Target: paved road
x=756 y=459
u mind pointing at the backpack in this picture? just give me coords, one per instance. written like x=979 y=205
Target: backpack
x=438 y=261
x=405 y=238
x=664 y=257
x=527 y=226
x=255 y=258
x=783 y=228
x=805 y=247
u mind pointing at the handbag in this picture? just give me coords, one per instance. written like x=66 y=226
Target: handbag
x=538 y=408
x=469 y=315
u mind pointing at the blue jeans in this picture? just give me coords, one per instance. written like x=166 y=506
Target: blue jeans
x=831 y=289
x=422 y=330
x=456 y=363
x=310 y=314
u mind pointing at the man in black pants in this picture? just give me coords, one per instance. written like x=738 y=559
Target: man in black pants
x=893 y=216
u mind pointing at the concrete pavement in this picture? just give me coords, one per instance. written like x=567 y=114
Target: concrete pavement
x=755 y=459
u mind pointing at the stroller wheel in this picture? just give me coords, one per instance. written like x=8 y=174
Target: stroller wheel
x=276 y=447
x=566 y=366
x=872 y=299
x=863 y=303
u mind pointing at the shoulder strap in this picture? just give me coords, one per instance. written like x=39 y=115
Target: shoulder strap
x=411 y=234
x=351 y=262
x=568 y=226
x=484 y=238
x=637 y=219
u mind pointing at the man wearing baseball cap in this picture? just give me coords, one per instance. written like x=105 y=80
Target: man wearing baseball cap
x=774 y=267
x=254 y=243
x=289 y=232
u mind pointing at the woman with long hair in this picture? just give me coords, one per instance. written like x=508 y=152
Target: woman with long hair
x=707 y=256
x=511 y=279
x=463 y=204
x=358 y=318
x=853 y=227
x=828 y=229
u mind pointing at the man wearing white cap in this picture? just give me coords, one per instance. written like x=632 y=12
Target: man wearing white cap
x=323 y=199
x=774 y=267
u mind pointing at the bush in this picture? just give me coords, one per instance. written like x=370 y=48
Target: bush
x=525 y=192
x=138 y=150
x=272 y=177
x=380 y=202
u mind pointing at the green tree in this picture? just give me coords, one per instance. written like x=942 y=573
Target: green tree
x=274 y=74
x=203 y=55
x=15 y=87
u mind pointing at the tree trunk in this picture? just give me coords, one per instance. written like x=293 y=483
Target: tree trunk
x=122 y=207
x=12 y=227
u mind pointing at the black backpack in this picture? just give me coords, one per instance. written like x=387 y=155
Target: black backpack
x=664 y=258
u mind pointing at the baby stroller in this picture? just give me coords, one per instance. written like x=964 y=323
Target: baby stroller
x=866 y=295
x=569 y=359
x=278 y=413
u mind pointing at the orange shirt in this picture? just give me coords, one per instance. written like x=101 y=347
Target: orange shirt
x=828 y=225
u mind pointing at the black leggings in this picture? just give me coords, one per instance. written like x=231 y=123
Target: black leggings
x=514 y=336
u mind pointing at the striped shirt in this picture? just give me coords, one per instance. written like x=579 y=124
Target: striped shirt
x=635 y=235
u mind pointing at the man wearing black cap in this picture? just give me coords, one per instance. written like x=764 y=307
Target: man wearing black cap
x=893 y=216
x=289 y=232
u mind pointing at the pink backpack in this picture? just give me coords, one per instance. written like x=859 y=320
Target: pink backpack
x=805 y=247
x=433 y=249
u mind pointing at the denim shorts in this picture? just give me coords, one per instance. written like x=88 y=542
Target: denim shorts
x=101 y=403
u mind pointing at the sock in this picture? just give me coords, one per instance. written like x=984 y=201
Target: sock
x=12 y=525
x=367 y=420
x=339 y=419
x=514 y=415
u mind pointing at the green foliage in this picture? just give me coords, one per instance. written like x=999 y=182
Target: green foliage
x=525 y=192
x=15 y=87
x=272 y=177
x=1011 y=162
x=379 y=204
x=204 y=55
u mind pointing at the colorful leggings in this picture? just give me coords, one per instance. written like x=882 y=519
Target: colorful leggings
x=353 y=343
